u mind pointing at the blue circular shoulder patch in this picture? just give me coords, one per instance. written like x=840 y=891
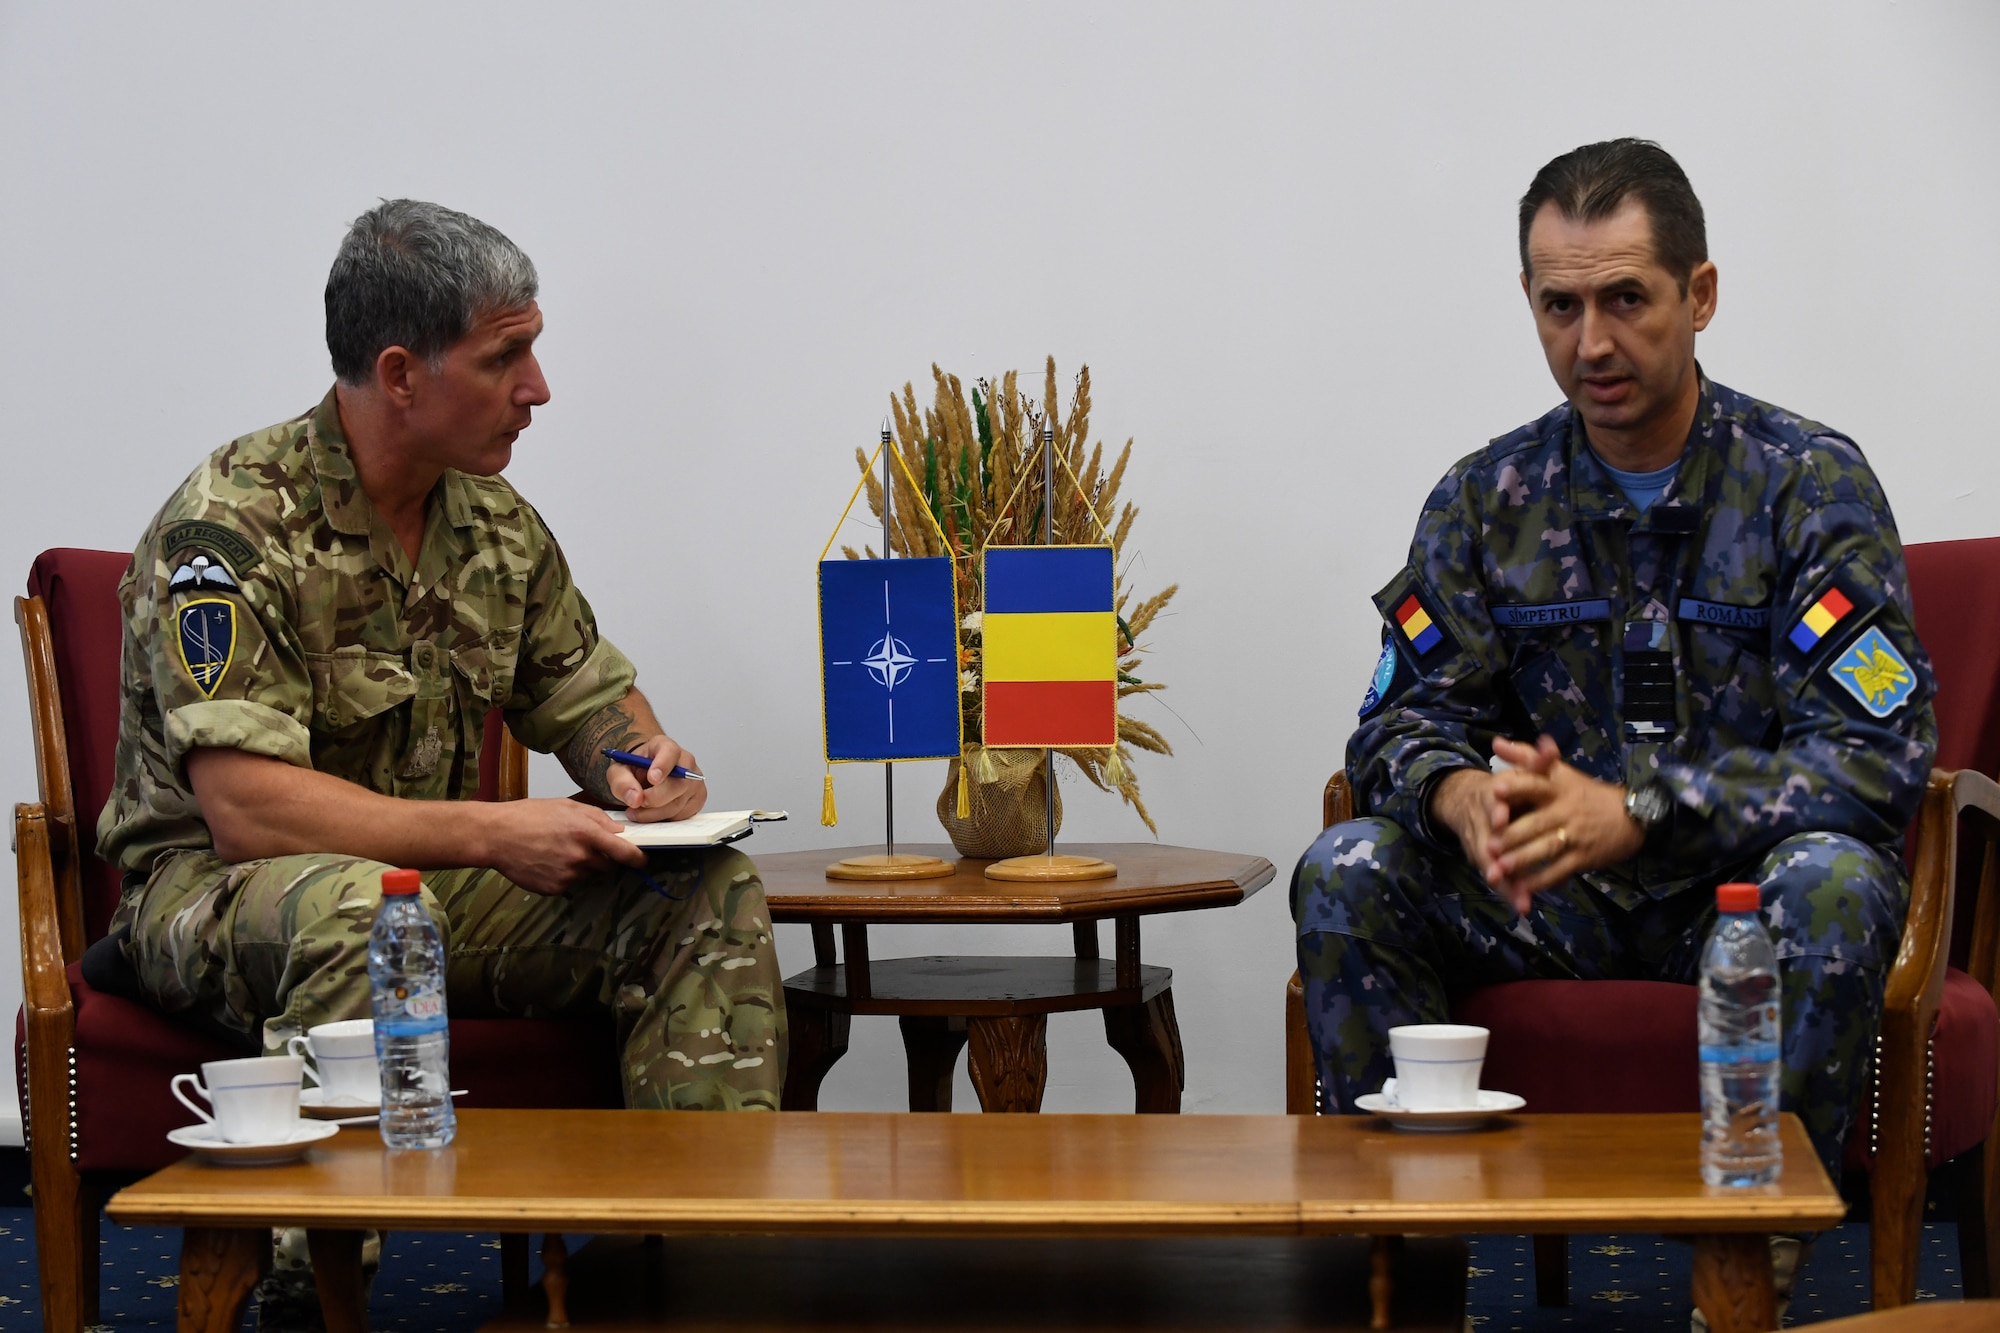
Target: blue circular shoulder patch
x=1385 y=676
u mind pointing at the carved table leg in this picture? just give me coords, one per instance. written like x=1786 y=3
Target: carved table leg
x=1382 y=1280
x=818 y=1038
x=91 y=1200
x=555 y=1279
x=336 y=1262
x=1551 y=1271
x=219 y=1269
x=1009 y=1060
x=1732 y=1282
x=513 y=1269
x=1149 y=1038
x=932 y=1046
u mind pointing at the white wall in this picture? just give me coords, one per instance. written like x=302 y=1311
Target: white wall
x=1281 y=236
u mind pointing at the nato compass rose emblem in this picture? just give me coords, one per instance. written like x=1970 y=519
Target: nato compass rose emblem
x=889 y=661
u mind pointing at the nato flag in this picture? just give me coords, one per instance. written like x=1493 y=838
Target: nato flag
x=888 y=649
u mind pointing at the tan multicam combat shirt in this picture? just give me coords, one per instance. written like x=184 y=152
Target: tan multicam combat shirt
x=270 y=609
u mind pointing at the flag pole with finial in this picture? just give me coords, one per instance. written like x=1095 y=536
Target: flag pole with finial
x=891 y=864
x=1049 y=866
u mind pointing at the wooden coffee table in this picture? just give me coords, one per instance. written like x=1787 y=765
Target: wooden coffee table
x=1076 y=1177
x=999 y=1005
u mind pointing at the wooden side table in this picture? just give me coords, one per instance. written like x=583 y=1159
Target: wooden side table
x=997 y=1006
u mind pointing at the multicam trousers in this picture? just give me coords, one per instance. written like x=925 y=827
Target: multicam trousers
x=679 y=958
x=1389 y=928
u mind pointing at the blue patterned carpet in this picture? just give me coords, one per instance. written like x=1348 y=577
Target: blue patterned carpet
x=451 y=1283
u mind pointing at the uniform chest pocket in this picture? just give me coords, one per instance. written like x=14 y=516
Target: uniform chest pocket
x=1557 y=675
x=352 y=685
x=485 y=669
x=1733 y=687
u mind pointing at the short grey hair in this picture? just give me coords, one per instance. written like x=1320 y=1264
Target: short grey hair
x=416 y=275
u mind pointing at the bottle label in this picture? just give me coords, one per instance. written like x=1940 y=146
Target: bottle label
x=1749 y=1053
x=412 y=1010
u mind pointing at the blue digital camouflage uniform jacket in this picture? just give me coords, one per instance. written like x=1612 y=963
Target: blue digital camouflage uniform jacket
x=1549 y=598
x=1747 y=641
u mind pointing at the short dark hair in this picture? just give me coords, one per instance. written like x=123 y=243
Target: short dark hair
x=416 y=275
x=1591 y=182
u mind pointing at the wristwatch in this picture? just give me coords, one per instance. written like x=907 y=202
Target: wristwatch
x=1649 y=805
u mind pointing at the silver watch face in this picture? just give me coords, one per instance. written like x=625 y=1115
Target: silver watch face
x=1647 y=804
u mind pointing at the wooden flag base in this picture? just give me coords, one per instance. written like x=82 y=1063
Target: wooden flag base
x=894 y=865
x=1030 y=868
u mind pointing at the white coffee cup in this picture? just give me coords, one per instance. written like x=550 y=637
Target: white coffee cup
x=254 y=1100
x=343 y=1060
x=1437 y=1065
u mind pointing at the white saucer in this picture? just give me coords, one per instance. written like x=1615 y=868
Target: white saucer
x=205 y=1140
x=1491 y=1104
x=315 y=1105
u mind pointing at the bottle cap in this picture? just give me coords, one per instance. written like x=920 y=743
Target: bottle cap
x=1728 y=897
x=409 y=881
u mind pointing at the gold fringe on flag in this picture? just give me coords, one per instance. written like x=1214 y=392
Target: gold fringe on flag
x=1115 y=772
x=828 y=816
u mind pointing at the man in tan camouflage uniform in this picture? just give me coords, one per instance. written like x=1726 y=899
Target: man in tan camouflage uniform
x=316 y=626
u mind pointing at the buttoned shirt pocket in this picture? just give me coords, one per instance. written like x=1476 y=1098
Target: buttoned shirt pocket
x=360 y=724
x=483 y=672
x=353 y=685
x=1555 y=673
x=1733 y=687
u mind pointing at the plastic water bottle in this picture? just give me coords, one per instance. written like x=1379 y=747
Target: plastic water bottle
x=1739 y=1045
x=412 y=1038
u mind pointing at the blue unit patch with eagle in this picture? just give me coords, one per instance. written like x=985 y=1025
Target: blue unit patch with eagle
x=1875 y=673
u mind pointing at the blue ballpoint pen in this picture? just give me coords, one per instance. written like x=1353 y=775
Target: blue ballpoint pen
x=640 y=761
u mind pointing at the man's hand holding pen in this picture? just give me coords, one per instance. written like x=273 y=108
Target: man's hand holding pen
x=656 y=780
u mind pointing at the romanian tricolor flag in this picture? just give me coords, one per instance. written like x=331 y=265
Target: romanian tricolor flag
x=1416 y=625
x=1820 y=617
x=1051 y=647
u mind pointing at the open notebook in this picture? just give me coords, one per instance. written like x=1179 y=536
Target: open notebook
x=706 y=829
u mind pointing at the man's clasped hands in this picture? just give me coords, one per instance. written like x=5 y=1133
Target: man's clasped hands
x=1533 y=825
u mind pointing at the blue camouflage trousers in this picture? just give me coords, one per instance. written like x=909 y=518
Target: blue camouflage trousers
x=1390 y=928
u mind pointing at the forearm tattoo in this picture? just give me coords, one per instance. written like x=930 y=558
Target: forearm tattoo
x=610 y=728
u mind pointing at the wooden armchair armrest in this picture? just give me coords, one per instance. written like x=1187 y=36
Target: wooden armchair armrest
x=1979 y=796
x=1909 y=1010
x=44 y=986
x=1916 y=978
x=1336 y=805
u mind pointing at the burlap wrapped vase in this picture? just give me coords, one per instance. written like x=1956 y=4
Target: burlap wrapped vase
x=1007 y=802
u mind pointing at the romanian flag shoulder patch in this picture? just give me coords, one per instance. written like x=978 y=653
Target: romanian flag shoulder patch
x=1049 y=648
x=1831 y=607
x=1419 y=630
x=1414 y=623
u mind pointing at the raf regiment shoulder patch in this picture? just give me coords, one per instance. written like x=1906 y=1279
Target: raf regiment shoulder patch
x=215 y=542
x=1874 y=673
x=207 y=633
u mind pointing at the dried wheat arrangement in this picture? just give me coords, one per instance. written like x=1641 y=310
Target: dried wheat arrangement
x=976 y=458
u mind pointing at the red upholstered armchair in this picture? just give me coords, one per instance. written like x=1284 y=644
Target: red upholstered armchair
x=94 y=1066
x=1930 y=1114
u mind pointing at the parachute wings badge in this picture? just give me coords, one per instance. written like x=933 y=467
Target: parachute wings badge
x=199 y=575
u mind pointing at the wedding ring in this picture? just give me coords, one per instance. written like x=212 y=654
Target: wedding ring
x=1562 y=841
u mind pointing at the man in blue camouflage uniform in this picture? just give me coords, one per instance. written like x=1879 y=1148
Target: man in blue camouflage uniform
x=1680 y=618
